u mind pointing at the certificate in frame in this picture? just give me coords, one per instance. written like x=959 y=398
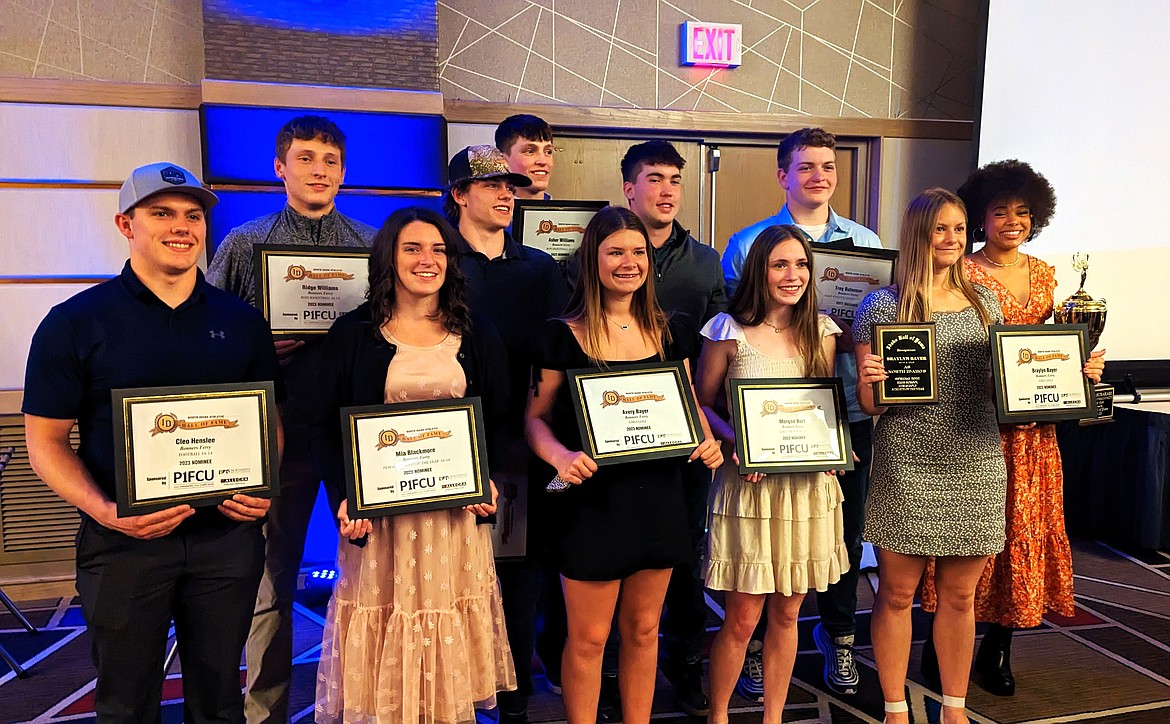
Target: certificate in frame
x=414 y=456
x=909 y=355
x=554 y=227
x=635 y=412
x=790 y=425
x=845 y=274
x=302 y=289
x=1037 y=372
x=195 y=444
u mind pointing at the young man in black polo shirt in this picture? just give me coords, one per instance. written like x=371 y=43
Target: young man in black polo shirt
x=310 y=160
x=158 y=324
x=688 y=279
x=517 y=288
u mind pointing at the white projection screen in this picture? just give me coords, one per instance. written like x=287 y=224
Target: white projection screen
x=1077 y=88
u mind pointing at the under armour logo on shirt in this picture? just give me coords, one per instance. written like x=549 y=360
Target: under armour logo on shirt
x=216 y=335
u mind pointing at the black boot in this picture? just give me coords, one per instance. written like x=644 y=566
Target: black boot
x=928 y=665
x=993 y=667
x=687 y=681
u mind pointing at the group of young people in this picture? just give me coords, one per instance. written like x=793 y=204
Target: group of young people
x=424 y=625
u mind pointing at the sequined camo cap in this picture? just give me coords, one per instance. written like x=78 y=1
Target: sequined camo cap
x=476 y=163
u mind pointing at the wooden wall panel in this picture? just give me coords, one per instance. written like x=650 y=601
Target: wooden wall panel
x=93 y=143
x=60 y=232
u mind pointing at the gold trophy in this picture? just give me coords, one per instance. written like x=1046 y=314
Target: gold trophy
x=1080 y=308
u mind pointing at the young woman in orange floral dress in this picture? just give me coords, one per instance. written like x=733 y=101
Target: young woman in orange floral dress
x=1008 y=204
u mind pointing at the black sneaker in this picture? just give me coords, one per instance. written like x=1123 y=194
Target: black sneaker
x=751 y=679
x=840 y=670
x=687 y=682
x=609 y=703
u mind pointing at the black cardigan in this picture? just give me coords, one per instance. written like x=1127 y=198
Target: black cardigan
x=354 y=360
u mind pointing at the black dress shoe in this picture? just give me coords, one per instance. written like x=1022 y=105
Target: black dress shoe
x=993 y=667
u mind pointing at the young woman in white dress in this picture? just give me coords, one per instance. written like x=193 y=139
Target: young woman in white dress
x=772 y=537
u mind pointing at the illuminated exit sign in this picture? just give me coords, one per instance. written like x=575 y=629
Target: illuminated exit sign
x=712 y=44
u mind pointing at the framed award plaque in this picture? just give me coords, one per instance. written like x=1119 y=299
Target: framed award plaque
x=845 y=274
x=414 y=456
x=1037 y=372
x=302 y=289
x=908 y=354
x=554 y=227
x=790 y=425
x=196 y=444
x=635 y=412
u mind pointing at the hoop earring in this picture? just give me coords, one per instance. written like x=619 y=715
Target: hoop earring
x=978 y=235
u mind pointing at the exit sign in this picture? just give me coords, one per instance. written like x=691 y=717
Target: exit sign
x=712 y=44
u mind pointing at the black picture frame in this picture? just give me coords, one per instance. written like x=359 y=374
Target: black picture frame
x=179 y=408
x=679 y=397
x=471 y=443
x=1052 y=339
x=846 y=274
x=356 y=266
x=830 y=390
x=531 y=218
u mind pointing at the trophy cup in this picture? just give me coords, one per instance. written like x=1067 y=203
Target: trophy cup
x=1080 y=308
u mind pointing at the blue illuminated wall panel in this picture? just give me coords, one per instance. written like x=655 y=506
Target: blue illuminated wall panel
x=383 y=150
x=236 y=207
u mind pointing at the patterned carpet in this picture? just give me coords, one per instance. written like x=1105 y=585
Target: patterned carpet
x=1109 y=663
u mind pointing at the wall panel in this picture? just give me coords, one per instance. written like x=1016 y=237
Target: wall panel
x=22 y=307
x=909 y=166
x=60 y=232
x=93 y=144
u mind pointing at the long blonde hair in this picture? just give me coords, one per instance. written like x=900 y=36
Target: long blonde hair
x=914 y=273
x=749 y=304
x=585 y=300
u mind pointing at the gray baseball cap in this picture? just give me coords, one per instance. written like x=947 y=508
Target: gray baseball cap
x=160 y=178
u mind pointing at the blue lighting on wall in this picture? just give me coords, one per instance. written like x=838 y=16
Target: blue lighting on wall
x=338 y=17
x=383 y=150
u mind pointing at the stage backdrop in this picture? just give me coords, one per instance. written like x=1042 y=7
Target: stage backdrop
x=1075 y=88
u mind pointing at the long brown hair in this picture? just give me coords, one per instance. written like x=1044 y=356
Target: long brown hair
x=914 y=273
x=749 y=304
x=453 y=310
x=585 y=300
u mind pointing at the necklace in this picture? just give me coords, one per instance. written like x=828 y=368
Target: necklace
x=776 y=329
x=622 y=327
x=993 y=262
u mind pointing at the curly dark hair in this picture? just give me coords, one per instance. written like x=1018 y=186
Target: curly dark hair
x=453 y=309
x=1004 y=181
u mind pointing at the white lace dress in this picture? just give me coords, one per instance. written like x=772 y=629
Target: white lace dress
x=784 y=534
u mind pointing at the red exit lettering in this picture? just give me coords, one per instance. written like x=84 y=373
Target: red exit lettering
x=714 y=43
